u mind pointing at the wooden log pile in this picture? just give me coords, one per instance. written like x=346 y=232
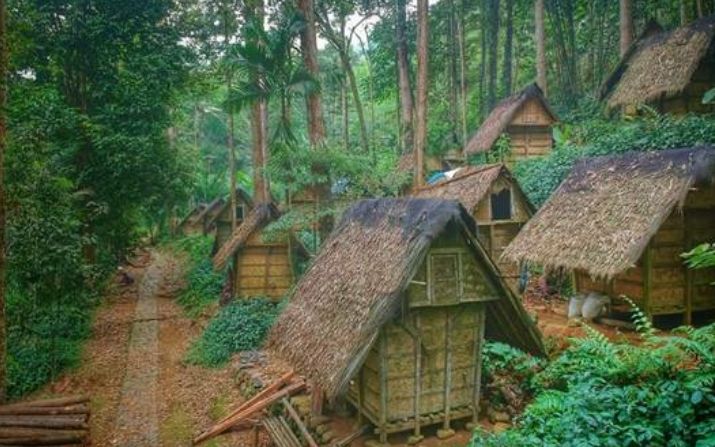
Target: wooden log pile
x=56 y=422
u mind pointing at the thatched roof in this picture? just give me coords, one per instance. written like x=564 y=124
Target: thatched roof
x=355 y=286
x=498 y=120
x=469 y=185
x=259 y=216
x=241 y=196
x=659 y=64
x=602 y=216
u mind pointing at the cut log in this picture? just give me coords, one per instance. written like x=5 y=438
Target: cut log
x=51 y=439
x=69 y=409
x=256 y=407
x=57 y=402
x=19 y=432
x=299 y=422
x=267 y=391
x=45 y=421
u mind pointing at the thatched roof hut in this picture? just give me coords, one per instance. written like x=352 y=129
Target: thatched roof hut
x=623 y=218
x=524 y=114
x=357 y=283
x=222 y=221
x=260 y=267
x=496 y=202
x=667 y=69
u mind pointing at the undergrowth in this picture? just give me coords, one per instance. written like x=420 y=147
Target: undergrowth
x=203 y=283
x=239 y=326
x=603 y=393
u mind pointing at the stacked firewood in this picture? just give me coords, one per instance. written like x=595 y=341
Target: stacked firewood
x=57 y=422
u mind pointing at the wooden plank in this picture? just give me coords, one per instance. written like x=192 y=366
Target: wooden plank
x=447 y=368
x=648 y=279
x=383 y=387
x=479 y=337
x=417 y=346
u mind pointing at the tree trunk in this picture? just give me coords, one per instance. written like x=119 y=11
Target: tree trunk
x=453 y=79
x=3 y=134
x=462 y=73
x=540 y=37
x=626 y=25
x=421 y=110
x=508 y=44
x=355 y=93
x=699 y=7
x=683 y=13
x=230 y=137
x=493 y=45
x=483 y=59
x=345 y=114
x=403 y=78
x=309 y=46
x=259 y=125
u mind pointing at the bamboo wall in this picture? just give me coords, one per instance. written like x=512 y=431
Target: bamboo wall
x=424 y=366
x=495 y=235
x=530 y=132
x=262 y=269
x=660 y=284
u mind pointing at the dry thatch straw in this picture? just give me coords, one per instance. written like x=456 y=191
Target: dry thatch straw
x=356 y=285
x=498 y=120
x=259 y=216
x=602 y=216
x=469 y=185
x=659 y=64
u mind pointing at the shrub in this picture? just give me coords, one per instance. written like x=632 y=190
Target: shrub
x=203 y=283
x=240 y=326
x=616 y=394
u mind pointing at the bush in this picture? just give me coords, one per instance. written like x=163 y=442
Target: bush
x=240 y=326
x=616 y=394
x=204 y=284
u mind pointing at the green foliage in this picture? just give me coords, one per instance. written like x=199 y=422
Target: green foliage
x=603 y=393
x=500 y=359
x=240 y=326
x=700 y=257
x=539 y=177
x=203 y=283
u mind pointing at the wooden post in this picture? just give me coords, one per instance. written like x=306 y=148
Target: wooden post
x=316 y=401
x=688 y=275
x=361 y=396
x=383 y=387
x=479 y=337
x=418 y=376
x=648 y=279
x=447 y=368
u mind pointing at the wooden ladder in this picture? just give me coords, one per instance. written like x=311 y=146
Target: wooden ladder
x=280 y=432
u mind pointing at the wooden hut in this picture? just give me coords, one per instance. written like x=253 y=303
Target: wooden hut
x=221 y=220
x=393 y=311
x=197 y=219
x=621 y=223
x=496 y=202
x=260 y=267
x=667 y=70
x=526 y=118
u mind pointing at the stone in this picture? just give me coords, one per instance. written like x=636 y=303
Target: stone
x=414 y=439
x=315 y=421
x=321 y=429
x=445 y=433
x=328 y=436
x=375 y=443
x=501 y=416
x=500 y=427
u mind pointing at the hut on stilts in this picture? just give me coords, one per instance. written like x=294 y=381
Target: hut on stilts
x=259 y=267
x=393 y=312
x=666 y=70
x=620 y=224
x=496 y=202
x=526 y=118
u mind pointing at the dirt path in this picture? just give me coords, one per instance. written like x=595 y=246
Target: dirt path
x=137 y=422
x=142 y=391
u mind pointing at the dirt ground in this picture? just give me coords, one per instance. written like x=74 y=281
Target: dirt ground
x=188 y=398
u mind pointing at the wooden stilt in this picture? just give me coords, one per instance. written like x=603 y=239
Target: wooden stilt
x=478 y=341
x=383 y=387
x=417 y=437
x=447 y=369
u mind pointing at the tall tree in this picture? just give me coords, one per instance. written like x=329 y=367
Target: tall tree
x=540 y=37
x=422 y=79
x=508 y=46
x=626 y=25
x=3 y=138
x=309 y=47
x=493 y=47
x=403 y=77
x=452 y=44
x=462 y=72
x=230 y=137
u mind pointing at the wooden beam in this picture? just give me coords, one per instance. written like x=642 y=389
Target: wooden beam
x=648 y=279
x=298 y=422
x=417 y=343
x=478 y=342
x=447 y=367
x=383 y=386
